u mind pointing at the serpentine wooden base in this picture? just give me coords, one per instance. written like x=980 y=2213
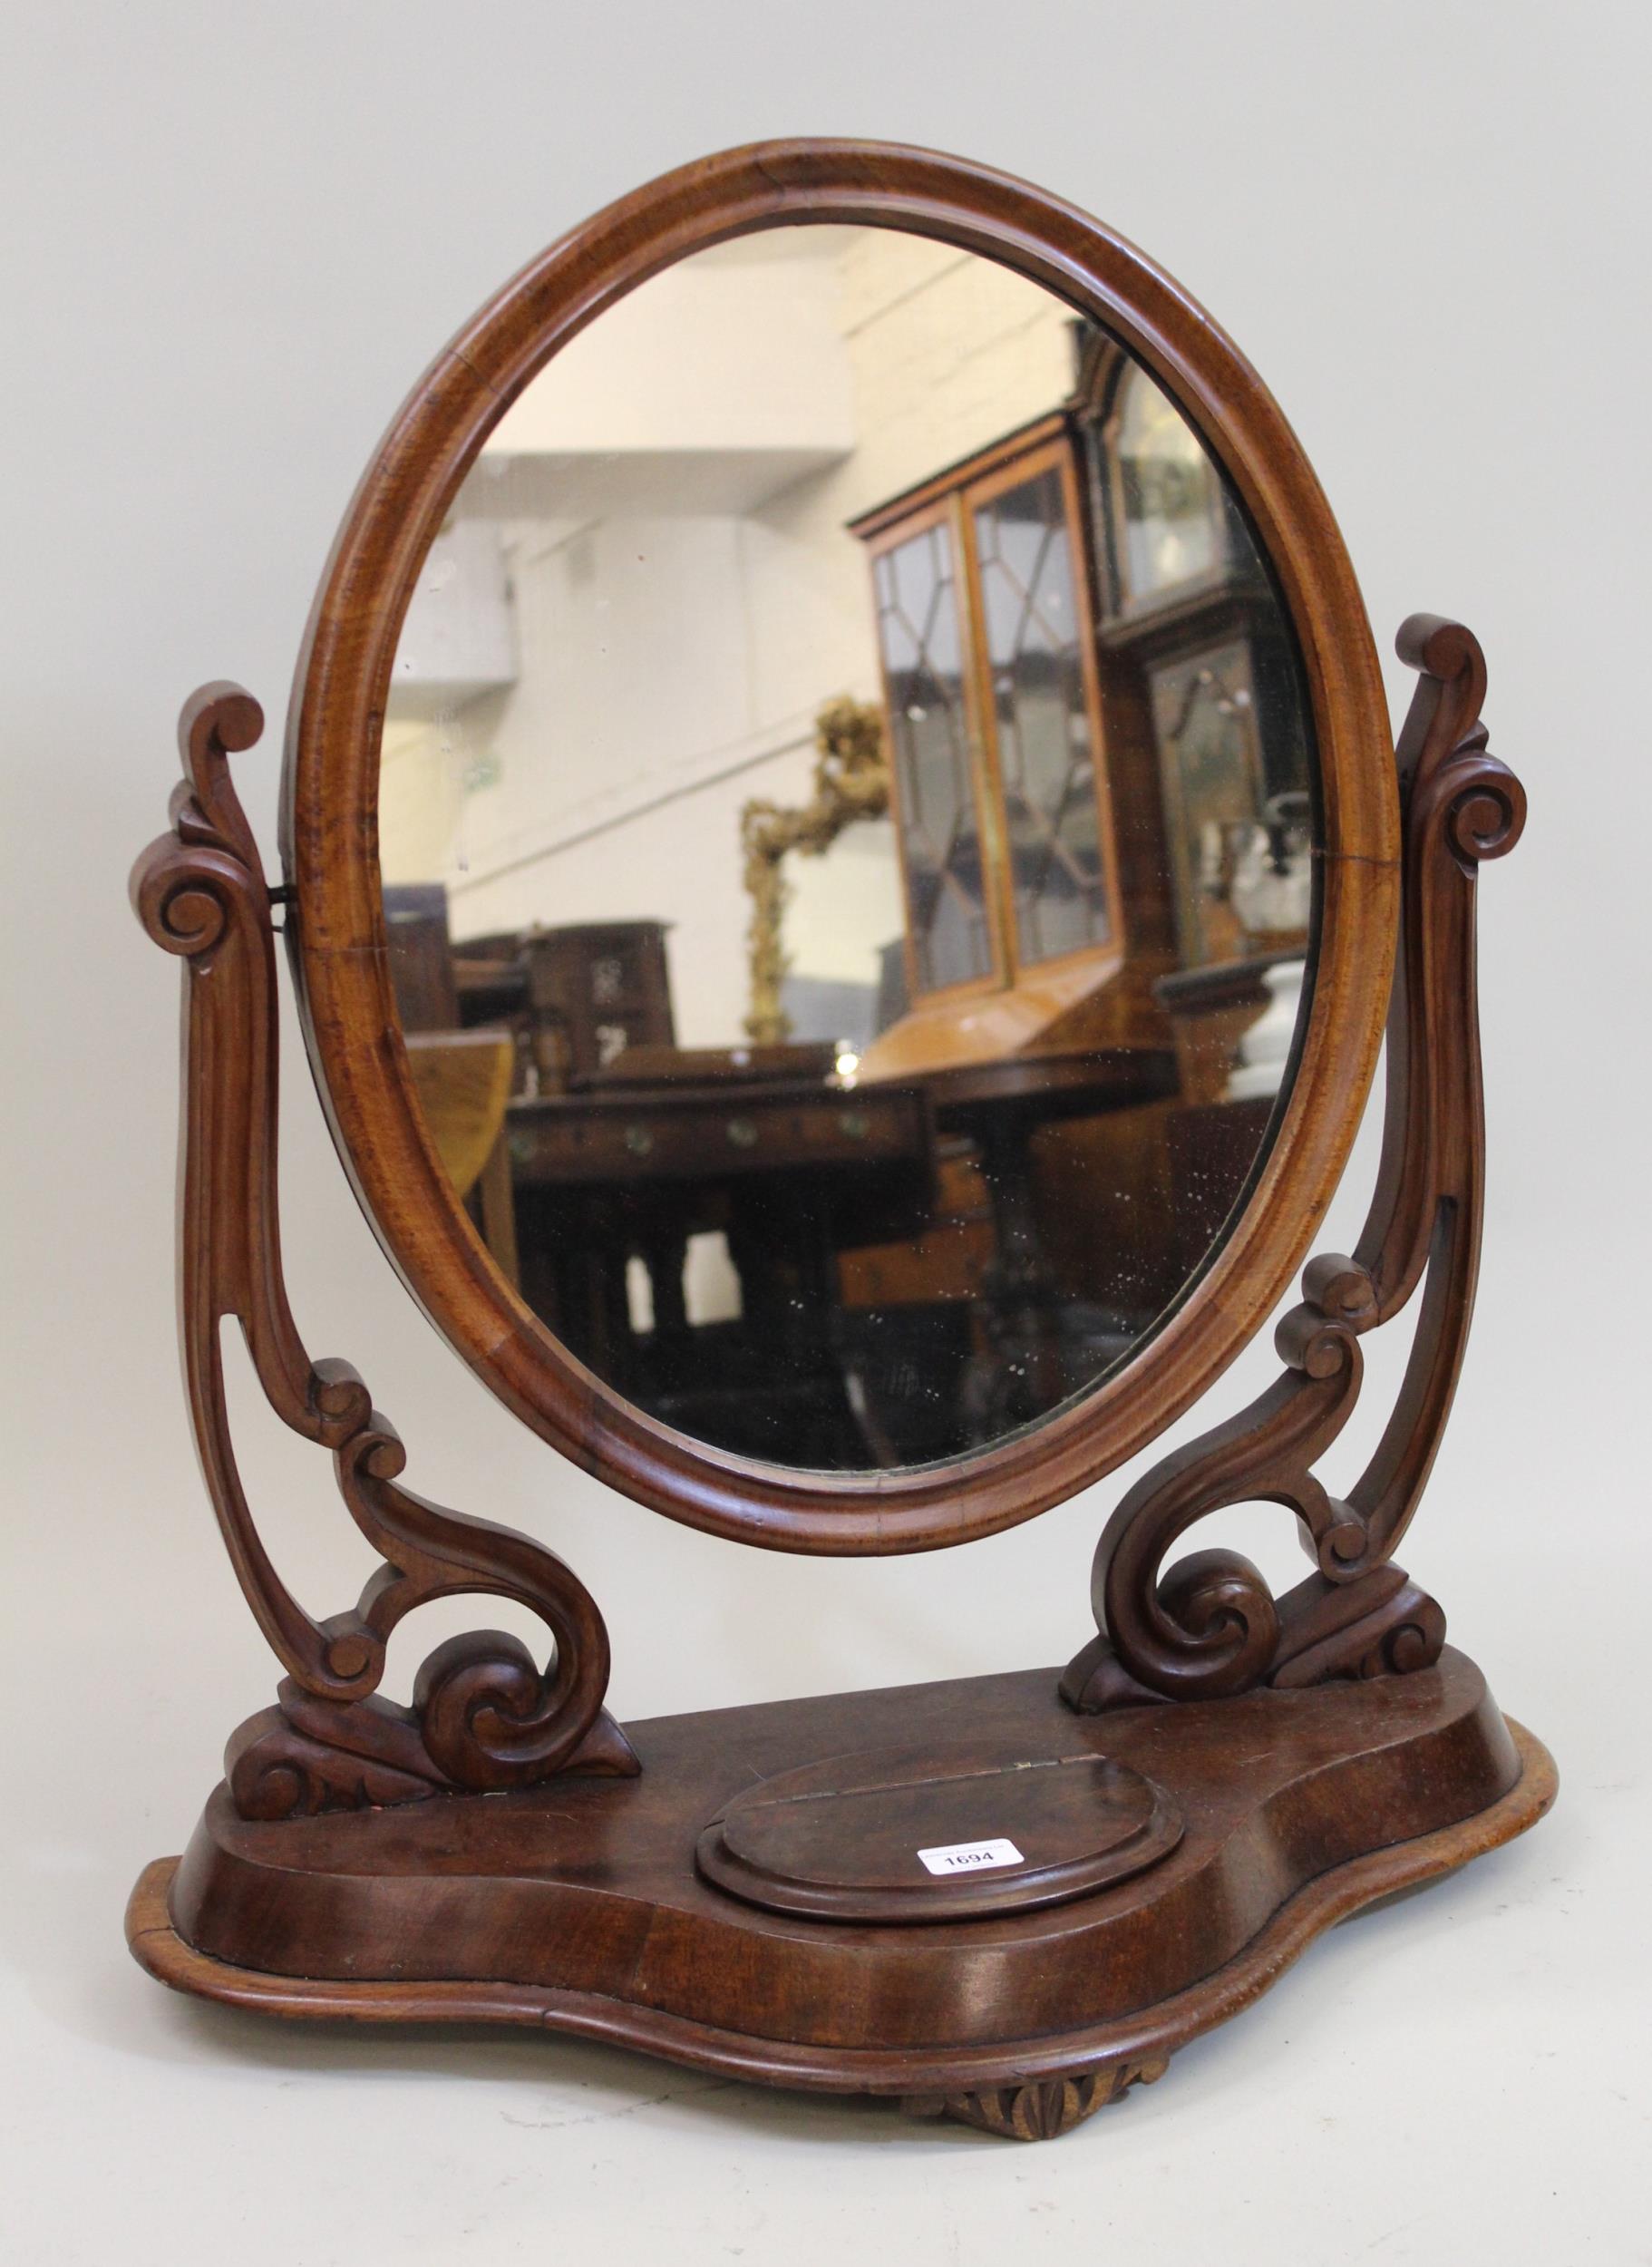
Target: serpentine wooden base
x=579 y=1905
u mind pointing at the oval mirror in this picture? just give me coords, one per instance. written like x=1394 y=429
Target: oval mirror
x=852 y=811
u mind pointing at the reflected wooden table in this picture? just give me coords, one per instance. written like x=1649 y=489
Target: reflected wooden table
x=790 y=1172
x=1030 y=1363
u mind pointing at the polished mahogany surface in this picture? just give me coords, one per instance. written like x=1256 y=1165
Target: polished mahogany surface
x=897 y=1834
x=581 y=1906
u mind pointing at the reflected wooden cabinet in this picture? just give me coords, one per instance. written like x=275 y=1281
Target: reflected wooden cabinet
x=1096 y=776
x=983 y=596
x=595 y=989
x=1193 y=646
x=994 y=714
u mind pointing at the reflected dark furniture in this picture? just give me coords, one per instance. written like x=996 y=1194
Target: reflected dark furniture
x=1081 y=736
x=453 y=1049
x=420 y=957
x=577 y=997
x=1210 y=1009
x=1214 y=1147
x=594 y=990
x=1214 y=1141
x=976 y=1332
x=1040 y=1343
x=491 y=978
x=789 y=1170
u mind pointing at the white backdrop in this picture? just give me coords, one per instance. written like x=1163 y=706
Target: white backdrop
x=233 y=237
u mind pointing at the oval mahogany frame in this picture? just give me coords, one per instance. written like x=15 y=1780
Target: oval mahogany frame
x=330 y=845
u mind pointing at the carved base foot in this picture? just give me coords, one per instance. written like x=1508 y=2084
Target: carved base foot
x=1044 y=2110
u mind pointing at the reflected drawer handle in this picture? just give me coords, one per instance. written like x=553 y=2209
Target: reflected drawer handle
x=742 y=1132
x=639 y=1141
x=855 y=1123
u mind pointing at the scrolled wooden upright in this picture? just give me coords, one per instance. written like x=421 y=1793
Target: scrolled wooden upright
x=485 y=1717
x=1220 y=1775
x=1212 y=1626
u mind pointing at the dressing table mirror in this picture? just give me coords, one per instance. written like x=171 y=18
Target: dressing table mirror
x=846 y=871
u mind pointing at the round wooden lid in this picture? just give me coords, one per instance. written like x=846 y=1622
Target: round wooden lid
x=937 y=1834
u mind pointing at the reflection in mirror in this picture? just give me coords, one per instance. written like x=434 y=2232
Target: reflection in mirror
x=846 y=826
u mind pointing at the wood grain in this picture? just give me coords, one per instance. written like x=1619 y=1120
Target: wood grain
x=1299 y=1808
x=843 y=1839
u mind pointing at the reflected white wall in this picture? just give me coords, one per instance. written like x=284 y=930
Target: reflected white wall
x=671 y=657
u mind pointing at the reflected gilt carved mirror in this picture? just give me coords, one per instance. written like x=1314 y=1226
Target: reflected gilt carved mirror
x=846 y=870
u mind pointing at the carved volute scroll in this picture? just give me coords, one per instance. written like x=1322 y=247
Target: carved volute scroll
x=1211 y=1627
x=852 y=782
x=484 y=1715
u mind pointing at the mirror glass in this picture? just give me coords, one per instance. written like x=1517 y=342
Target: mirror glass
x=846 y=823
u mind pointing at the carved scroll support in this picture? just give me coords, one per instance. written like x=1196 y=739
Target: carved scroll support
x=484 y=1716
x=1211 y=1627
